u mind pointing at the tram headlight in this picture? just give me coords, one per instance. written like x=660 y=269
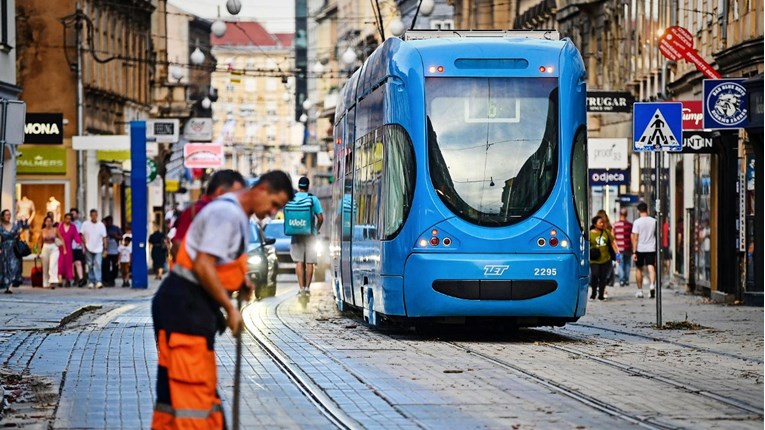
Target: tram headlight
x=423 y=243
x=564 y=243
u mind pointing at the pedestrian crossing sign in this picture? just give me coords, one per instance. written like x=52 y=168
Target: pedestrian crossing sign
x=657 y=126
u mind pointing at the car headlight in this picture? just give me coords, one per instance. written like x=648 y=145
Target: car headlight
x=255 y=260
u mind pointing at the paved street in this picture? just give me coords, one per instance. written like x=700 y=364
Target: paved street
x=86 y=359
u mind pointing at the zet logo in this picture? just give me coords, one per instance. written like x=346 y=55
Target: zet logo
x=725 y=103
x=494 y=270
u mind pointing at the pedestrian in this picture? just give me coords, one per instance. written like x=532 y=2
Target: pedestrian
x=303 y=248
x=126 y=255
x=10 y=263
x=94 y=242
x=609 y=229
x=666 y=255
x=78 y=257
x=48 y=247
x=221 y=182
x=644 y=243
x=600 y=257
x=623 y=235
x=69 y=237
x=158 y=252
x=211 y=264
x=111 y=262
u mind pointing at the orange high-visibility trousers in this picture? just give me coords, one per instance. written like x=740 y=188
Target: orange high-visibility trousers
x=187 y=372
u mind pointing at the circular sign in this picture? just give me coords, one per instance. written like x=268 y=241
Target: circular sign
x=151 y=170
x=725 y=103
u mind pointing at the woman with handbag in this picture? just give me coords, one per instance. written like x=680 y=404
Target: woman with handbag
x=600 y=257
x=10 y=264
x=69 y=234
x=48 y=248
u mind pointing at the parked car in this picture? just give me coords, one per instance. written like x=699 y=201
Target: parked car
x=262 y=264
x=275 y=229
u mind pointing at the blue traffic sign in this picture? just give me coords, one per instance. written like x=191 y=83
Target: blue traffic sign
x=657 y=126
x=724 y=104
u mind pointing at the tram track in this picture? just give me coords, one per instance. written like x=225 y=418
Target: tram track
x=569 y=327
x=304 y=382
x=610 y=409
x=634 y=371
x=314 y=393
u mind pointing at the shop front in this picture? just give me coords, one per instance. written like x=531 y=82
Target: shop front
x=752 y=173
x=43 y=186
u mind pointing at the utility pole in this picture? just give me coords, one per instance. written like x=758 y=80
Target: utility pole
x=80 y=111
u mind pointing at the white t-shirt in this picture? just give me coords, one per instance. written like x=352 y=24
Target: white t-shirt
x=221 y=229
x=94 y=234
x=125 y=252
x=645 y=228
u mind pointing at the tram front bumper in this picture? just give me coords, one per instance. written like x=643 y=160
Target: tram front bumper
x=506 y=285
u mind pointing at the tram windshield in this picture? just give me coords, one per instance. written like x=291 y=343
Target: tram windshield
x=493 y=145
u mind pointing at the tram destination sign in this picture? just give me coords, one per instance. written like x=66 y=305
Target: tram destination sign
x=609 y=102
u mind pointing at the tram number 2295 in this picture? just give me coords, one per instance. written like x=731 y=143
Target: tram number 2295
x=545 y=271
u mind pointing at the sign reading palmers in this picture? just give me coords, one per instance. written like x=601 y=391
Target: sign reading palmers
x=41 y=160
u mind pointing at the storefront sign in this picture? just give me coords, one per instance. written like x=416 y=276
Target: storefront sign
x=41 y=161
x=609 y=177
x=607 y=101
x=162 y=130
x=198 y=130
x=698 y=142
x=628 y=199
x=608 y=153
x=202 y=155
x=44 y=128
x=741 y=212
x=693 y=115
x=724 y=104
x=107 y=155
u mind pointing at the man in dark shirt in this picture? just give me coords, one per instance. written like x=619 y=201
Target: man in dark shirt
x=221 y=182
x=111 y=263
x=623 y=233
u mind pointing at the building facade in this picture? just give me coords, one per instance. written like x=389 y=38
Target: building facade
x=254 y=114
x=116 y=64
x=9 y=91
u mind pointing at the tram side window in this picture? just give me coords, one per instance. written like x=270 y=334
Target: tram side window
x=399 y=179
x=579 y=176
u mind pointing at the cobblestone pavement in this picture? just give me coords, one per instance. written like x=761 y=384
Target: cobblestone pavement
x=87 y=359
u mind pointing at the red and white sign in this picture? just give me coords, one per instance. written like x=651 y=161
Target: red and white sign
x=677 y=43
x=693 y=115
x=202 y=155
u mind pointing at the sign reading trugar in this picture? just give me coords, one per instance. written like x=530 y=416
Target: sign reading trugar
x=608 y=101
x=44 y=128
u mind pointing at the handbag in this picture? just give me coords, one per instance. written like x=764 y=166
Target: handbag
x=21 y=249
x=611 y=251
x=58 y=242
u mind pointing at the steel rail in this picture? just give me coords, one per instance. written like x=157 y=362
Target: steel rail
x=302 y=381
x=593 y=402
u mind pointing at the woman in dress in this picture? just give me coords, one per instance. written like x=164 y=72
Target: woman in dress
x=158 y=252
x=69 y=235
x=10 y=265
x=48 y=249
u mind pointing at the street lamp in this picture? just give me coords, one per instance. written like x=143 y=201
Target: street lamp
x=318 y=68
x=396 y=27
x=307 y=104
x=426 y=7
x=349 y=56
x=218 y=28
x=206 y=103
x=197 y=57
x=233 y=6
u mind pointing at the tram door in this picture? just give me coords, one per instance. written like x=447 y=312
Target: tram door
x=347 y=212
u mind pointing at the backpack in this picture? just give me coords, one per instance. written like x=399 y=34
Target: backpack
x=298 y=217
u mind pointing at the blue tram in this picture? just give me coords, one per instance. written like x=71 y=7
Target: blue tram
x=460 y=180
